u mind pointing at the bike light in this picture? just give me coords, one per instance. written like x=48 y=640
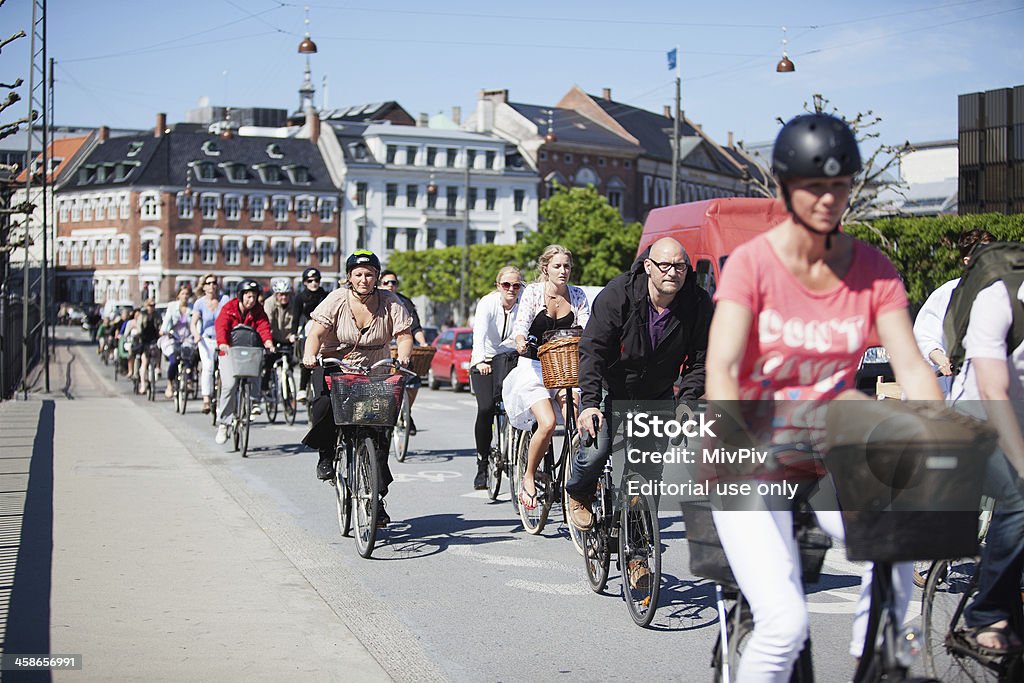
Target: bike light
x=908 y=647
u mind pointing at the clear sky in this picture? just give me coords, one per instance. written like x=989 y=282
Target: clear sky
x=119 y=62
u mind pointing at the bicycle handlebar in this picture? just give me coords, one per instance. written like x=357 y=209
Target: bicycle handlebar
x=362 y=370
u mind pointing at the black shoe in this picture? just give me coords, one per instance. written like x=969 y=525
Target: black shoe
x=325 y=468
x=480 y=481
x=383 y=518
x=412 y=426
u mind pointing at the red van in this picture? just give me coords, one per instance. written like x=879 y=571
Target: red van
x=709 y=230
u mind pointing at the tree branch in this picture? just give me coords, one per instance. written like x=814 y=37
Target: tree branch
x=4 y=43
x=12 y=86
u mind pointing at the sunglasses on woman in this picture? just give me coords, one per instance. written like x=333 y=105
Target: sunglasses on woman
x=514 y=286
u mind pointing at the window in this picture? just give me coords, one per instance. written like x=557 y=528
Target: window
x=453 y=198
x=392 y=152
x=325 y=253
x=64 y=211
x=100 y=252
x=471 y=199
x=122 y=171
x=520 y=236
x=391 y=190
x=62 y=254
x=149 y=207
x=280 y=209
x=256 y=252
x=470 y=158
x=471 y=237
x=122 y=252
x=76 y=210
x=410 y=156
x=412 y=193
x=232 y=207
x=302 y=253
x=298 y=175
x=450 y=154
x=204 y=171
x=184 y=250
x=134 y=148
x=148 y=250
x=87 y=254
x=112 y=251
x=601 y=161
x=567 y=158
x=185 y=205
x=100 y=207
x=431 y=238
x=87 y=209
x=490 y=198
x=489 y=236
x=360 y=194
x=208 y=206
x=269 y=173
x=326 y=210
x=392 y=237
x=257 y=206
x=431 y=156
x=124 y=207
x=627 y=163
x=451 y=237
x=232 y=252
x=303 y=209
x=543 y=156
x=615 y=199
x=360 y=237
x=518 y=197
x=492 y=159
x=235 y=173
x=279 y=252
x=410 y=238
x=431 y=199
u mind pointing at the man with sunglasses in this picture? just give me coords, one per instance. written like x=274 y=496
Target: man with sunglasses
x=648 y=328
x=303 y=305
x=389 y=281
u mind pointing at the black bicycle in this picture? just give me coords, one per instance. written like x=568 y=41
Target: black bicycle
x=185 y=384
x=152 y=352
x=280 y=391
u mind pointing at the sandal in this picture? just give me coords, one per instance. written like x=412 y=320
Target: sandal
x=1013 y=645
x=206 y=407
x=526 y=500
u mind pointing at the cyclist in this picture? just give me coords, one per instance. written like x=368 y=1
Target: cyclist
x=147 y=322
x=356 y=324
x=204 y=332
x=303 y=305
x=550 y=303
x=389 y=281
x=242 y=310
x=991 y=384
x=796 y=309
x=175 y=330
x=492 y=334
x=649 y=327
x=279 y=312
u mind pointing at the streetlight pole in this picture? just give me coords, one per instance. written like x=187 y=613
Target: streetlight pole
x=464 y=290
x=675 y=141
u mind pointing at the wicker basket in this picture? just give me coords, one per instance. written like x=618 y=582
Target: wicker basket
x=560 y=362
x=420 y=360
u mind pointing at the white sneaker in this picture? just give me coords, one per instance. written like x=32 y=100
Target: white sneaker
x=222 y=434
x=256 y=410
x=301 y=396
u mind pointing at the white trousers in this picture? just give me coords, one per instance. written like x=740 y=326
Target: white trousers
x=765 y=560
x=207 y=349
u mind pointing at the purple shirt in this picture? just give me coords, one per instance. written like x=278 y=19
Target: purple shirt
x=656 y=323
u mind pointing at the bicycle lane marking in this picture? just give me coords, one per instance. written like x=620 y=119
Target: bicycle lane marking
x=518 y=561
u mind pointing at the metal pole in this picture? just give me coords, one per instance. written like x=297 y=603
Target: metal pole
x=675 y=148
x=465 y=294
x=29 y=158
x=47 y=190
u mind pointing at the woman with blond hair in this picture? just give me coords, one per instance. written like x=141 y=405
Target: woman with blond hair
x=548 y=304
x=204 y=317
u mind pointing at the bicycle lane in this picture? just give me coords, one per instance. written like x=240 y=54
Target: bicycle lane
x=158 y=572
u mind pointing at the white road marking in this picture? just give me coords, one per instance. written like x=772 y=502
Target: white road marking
x=512 y=561
x=550 y=588
x=433 y=476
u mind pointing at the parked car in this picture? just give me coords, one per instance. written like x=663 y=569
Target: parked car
x=451 y=361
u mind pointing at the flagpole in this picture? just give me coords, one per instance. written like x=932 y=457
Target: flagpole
x=675 y=137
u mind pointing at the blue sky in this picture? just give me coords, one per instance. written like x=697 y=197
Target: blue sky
x=120 y=62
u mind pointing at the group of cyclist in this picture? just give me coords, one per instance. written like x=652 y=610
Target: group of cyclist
x=793 y=314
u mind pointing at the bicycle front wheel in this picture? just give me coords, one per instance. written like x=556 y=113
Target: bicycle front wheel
x=535 y=516
x=341 y=489
x=400 y=435
x=739 y=625
x=288 y=397
x=151 y=381
x=496 y=457
x=366 y=496
x=640 y=556
x=215 y=399
x=271 y=398
x=244 y=416
x=575 y=534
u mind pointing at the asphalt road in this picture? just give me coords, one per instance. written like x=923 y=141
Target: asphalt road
x=456 y=589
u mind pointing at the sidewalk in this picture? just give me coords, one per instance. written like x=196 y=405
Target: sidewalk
x=154 y=572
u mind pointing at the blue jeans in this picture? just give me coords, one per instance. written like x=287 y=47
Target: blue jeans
x=588 y=463
x=1002 y=560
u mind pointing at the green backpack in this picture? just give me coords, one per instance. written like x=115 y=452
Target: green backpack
x=989 y=263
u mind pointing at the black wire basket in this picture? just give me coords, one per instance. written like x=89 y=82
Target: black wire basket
x=366 y=400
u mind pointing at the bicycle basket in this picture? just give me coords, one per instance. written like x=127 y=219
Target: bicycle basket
x=908 y=477
x=560 y=362
x=243 y=335
x=364 y=400
x=187 y=353
x=420 y=360
x=245 y=361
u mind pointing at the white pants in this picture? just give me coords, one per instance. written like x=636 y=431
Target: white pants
x=207 y=349
x=765 y=560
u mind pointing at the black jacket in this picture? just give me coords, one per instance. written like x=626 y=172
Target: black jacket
x=303 y=305
x=411 y=307
x=615 y=350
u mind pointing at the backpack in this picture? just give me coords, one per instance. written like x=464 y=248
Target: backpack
x=989 y=263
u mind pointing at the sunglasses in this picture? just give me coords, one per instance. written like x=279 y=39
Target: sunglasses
x=210 y=282
x=388 y=283
x=514 y=286
x=313 y=279
x=667 y=266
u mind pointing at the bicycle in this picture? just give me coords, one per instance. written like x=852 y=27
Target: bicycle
x=184 y=384
x=364 y=408
x=152 y=352
x=635 y=528
x=419 y=365
x=245 y=366
x=217 y=386
x=500 y=455
x=281 y=387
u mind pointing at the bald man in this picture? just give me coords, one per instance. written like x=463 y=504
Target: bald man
x=648 y=328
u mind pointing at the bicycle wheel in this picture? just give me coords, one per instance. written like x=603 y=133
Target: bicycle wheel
x=341 y=489
x=949 y=588
x=739 y=629
x=515 y=436
x=640 y=548
x=288 y=396
x=496 y=457
x=365 y=496
x=533 y=519
x=215 y=399
x=181 y=389
x=151 y=381
x=575 y=534
x=271 y=397
x=400 y=435
x=244 y=416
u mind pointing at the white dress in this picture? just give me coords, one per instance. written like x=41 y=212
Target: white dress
x=524 y=386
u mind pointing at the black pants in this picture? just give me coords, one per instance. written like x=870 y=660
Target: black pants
x=323 y=434
x=483 y=388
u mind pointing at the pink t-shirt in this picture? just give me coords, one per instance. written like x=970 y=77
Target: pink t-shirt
x=806 y=345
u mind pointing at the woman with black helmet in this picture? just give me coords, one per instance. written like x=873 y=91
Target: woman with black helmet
x=310 y=295
x=796 y=308
x=355 y=323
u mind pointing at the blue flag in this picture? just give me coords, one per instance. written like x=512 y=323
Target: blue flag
x=672 y=59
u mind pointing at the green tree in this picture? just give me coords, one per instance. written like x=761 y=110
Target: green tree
x=581 y=220
x=437 y=273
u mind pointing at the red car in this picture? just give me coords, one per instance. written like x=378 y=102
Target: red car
x=451 y=362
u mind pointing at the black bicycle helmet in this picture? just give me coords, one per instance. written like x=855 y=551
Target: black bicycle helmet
x=310 y=273
x=362 y=257
x=249 y=286
x=815 y=146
